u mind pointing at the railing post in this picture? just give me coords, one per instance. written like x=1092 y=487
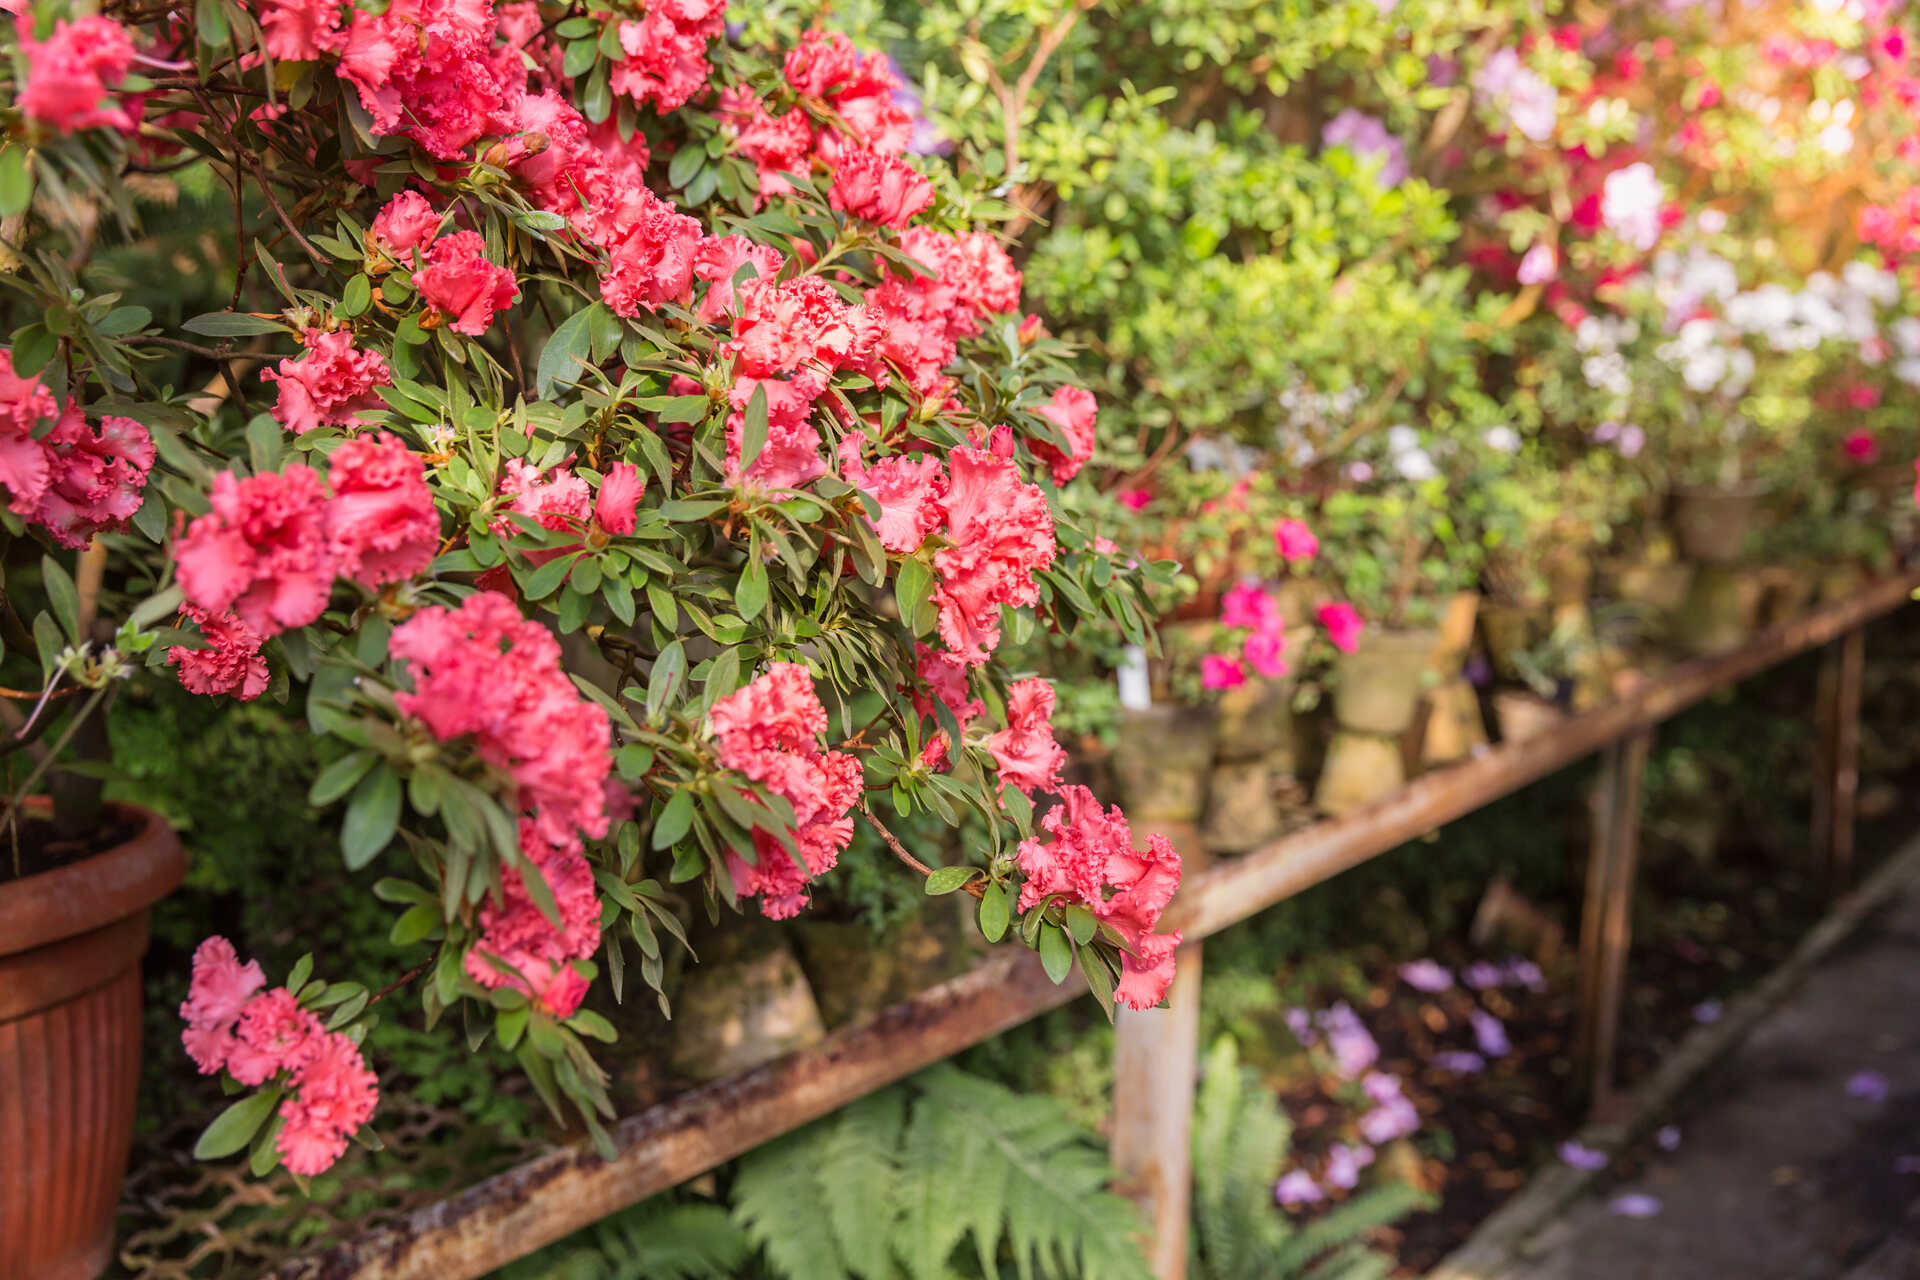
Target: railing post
x=1836 y=776
x=1156 y=1060
x=1606 y=925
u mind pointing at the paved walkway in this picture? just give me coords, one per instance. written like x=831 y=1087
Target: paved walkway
x=1791 y=1165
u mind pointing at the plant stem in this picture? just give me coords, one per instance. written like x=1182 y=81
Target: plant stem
x=900 y=851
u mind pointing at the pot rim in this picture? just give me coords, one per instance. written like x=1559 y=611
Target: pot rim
x=82 y=896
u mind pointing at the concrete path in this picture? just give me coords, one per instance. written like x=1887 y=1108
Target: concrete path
x=1790 y=1167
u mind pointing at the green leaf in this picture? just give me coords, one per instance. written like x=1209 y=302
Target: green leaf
x=62 y=596
x=234 y=1128
x=1099 y=979
x=676 y=817
x=16 y=180
x=545 y=580
x=372 y=816
x=669 y=673
x=210 y=24
x=1056 y=953
x=1081 y=924
x=949 y=879
x=687 y=161
x=231 y=324
x=912 y=588
x=753 y=433
x=123 y=320
x=994 y=912
x=301 y=971
x=751 y=596
x=589 y=1023
x=566 y=351
x=580 y=55
x=596 y=102
x=415 y=924
x=357 y=296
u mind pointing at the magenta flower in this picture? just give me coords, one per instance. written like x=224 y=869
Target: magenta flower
x=1217 y=672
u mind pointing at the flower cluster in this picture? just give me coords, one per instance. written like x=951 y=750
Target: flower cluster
x=259 y=1036
x=273 y=544
x=73 y=479
x=1090 y=860
x=330 y=385
x=769 y=731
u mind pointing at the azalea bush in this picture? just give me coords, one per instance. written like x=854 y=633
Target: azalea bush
x=623 y=439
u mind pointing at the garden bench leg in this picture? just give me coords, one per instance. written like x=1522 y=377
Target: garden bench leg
x=1606 y=925
x=1156 y=1059
x=1836 y=779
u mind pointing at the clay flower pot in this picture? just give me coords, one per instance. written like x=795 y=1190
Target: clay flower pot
x=70 y=946
x=1377 y=687
x=1711 y=525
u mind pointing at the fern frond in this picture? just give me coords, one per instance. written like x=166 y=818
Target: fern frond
x=777 y=1198
x=1346 y=1224
x=656 y=1239
x=858 y=1171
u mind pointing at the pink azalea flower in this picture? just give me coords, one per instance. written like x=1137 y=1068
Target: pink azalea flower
x=882 y=189
x=407 y=224
x=1263 y=651
x=333 y=1095
x=1295 y=542
x=70 y=75
x=331 y=384
x=1861 y=446
x=275 y=1035
x=1000 y=533
x=262 y=552
x=1249 y=605
x=619 y=497
x=1343 y=625
x=1072 y=409
x=1025 y=751
x=665 y=50
x=219 y=989
x=462 y=286
x=233 y=664
x=1217 y=672
x=382 y=523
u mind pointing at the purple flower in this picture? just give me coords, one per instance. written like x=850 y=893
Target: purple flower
x=1868 y=1086
x=1344 y=1164
x=1393 y=1118
x=1367 y=137
x=1300 y=1022
x=1297 y=1188
x=1483 y=975
x=1575 y=1156
x=1354 y=1050
x=1427 y=975
x=1634 y=1204
x=1532 y=105
x=1540 y=265
x=1461 y=1062
x=1668 y=1139
x=1708 y=1012
x=1906 y=1164
x=1380 y=1086
x=1490 y=1033
x=1632 y=440
x=925 y=140
x=1525 y=973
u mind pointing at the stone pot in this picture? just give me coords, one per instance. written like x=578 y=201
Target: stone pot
x=1377 y=687
x=1790 y=590
x=1507 y=630
x=70 y=946
x=1711 y=524
x=1454 y=725
x=733 y=1016
x=1256 y=722
x=1455 y=636
x=1569 y=575
x=1360 y=769
x=1658 y=585
x=1715 y=615
x=1161 y=763
x=1243 y=812
x=854 y=975
x=1521 y=715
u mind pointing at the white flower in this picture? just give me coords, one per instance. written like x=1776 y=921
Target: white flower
x=1502 y=439
x=1836 y=140
x=1630 y=204
x=1711 y=221
x=1416 y=466
x=1402 y=439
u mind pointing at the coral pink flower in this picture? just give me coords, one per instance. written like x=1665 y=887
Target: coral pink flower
x=1295 y=542
x=943 y=676
x=263 y=550
x=219 y=989
x=483 y=671
x=333 y=1095
x=666 y=51
x=651 y=249
x=1264 y=652
x=275 y=1034
x=1249 y=605
x=860 y=90
x=1343 y=625
x=558 y=499
x=519 y=947
x=1090 y=859
x=1025 y=751
x=301 y=30
x=776 y=145
x=719 y=259
x=96 y=476
x=910 y=490
x=768 y=730
x=232 y=665
x=407 y=223
x=381 y=522
x=330 y=385
x=24 y=404
x=1861 y=446
x=790 y=455
x=69 y=75
x=1072 y=409
x=778 y=327
x=1000 y=533
x=1217 y=672
x=618 y=498
x=882 y=189
x=459 y=284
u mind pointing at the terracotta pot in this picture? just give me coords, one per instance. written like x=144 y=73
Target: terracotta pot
x=1361 y=769
x=70 y=946
x=1378 y=686
x=1711 y=525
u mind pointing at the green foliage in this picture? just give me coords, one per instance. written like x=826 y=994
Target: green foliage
x=1240 y=1140
x=899 y=1183
x=658 y=1239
